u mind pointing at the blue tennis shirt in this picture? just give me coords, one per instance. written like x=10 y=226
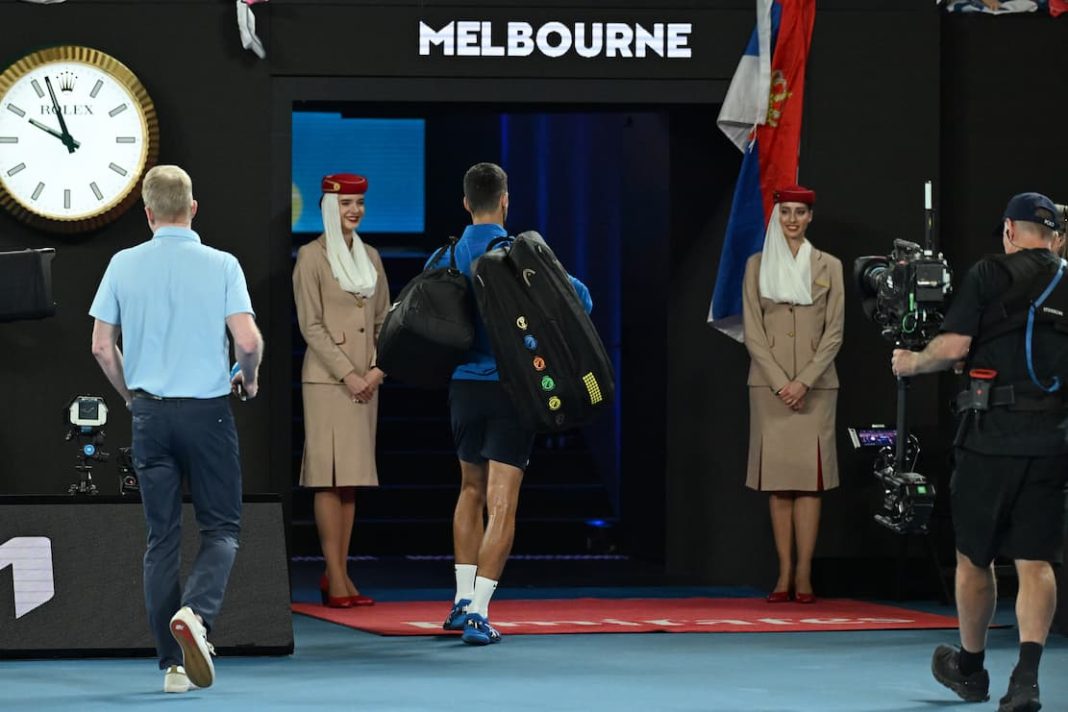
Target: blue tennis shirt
x=171 y=296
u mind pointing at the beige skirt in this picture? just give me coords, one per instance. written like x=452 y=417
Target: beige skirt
x=339 y=438
x=792 y=450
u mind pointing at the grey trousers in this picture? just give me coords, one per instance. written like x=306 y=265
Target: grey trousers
x=195 y=439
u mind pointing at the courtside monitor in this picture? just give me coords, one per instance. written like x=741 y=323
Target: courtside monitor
x=873 y=436
x=390 y=152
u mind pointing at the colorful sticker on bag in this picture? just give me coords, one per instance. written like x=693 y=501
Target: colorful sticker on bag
x=521 y=322
x=555 y=403
x=539 y=363
x=547 y=383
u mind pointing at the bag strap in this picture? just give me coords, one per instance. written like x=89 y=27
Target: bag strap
x=451 y=247
x=1055 y=384
x=498 y=241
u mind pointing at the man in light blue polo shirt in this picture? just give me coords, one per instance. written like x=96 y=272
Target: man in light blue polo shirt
x=172 y=300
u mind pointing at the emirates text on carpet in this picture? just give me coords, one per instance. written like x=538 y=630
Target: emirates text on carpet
x=669 y=622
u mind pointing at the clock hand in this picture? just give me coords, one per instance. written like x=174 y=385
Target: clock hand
x=68 y=140
x=53 y=132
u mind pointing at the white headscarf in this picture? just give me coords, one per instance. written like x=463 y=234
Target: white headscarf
x=784 y=278
x=352 y=269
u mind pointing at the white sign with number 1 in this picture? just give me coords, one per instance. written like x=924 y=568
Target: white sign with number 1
x=30 y=559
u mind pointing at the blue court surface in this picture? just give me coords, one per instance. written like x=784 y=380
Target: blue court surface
x=339 y=668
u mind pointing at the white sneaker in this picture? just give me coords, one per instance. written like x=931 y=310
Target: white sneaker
x=175 y=680
x=196 y=650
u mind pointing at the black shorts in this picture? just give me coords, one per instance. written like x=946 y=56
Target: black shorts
x=1009 y=506
x=486 y=426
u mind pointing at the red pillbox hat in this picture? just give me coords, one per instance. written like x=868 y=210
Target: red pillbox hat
x=795 y=194
x=346 y=183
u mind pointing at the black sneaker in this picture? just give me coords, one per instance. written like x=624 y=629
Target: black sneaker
x=1021 y=697
x=945 y=666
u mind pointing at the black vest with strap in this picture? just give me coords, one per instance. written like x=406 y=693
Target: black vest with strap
x=1031 y=274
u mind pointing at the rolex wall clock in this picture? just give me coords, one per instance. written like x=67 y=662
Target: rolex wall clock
x=77 y=133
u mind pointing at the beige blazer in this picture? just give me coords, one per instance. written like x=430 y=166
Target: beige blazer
x=341 y=329
x=787 y=342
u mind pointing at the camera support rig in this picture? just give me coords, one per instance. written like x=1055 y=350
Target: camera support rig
x=904 y=293
x=908 y=498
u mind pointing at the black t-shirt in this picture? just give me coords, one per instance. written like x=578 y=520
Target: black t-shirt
x=1000 y=431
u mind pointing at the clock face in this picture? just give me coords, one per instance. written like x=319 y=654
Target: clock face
x=77 y=132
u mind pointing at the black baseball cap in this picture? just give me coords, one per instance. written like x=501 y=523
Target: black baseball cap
x=1033 y=207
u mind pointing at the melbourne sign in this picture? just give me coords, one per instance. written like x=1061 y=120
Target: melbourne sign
x=588 y=40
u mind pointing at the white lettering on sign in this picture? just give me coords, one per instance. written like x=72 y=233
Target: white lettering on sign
x=30 y=559
x=473 y=38
x=444 y=38
x=520 y=39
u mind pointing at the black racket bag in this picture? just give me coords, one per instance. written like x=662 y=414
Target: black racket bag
x=551 y=360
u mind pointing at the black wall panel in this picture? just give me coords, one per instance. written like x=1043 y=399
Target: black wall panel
x=896 y=94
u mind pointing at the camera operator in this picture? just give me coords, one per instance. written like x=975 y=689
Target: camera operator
x=1011 y=476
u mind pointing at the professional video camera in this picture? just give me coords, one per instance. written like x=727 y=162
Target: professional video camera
x=905 y=294
x=86 y=416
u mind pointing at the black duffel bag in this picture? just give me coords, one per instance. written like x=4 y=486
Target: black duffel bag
x=429 y=328
x=551 y=360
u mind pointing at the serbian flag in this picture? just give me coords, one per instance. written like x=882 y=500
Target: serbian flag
x=762 y=116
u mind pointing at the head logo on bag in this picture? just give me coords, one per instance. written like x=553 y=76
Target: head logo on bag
x=555 y=403
x=547 y=383
x=539 y=363
x=521 y=322
x=527 y=274
x=530 y=342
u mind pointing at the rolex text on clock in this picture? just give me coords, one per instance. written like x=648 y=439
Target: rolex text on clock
x=77 y=133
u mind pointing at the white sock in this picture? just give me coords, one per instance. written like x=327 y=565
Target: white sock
x=465 y=581
x=484 y=589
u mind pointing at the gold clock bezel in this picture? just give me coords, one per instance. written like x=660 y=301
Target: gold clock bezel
x=149 y=123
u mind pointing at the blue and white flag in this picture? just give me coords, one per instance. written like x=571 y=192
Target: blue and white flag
x=746 y=103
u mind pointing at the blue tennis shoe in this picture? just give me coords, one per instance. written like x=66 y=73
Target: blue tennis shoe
x=457 y=616
x=478 y=631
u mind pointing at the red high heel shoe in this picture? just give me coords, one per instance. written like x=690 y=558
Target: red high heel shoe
x=805 y=598
x=361 y=600
x=332 y=601
x=778 y=597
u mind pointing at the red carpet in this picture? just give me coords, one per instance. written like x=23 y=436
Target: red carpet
x=636 y=615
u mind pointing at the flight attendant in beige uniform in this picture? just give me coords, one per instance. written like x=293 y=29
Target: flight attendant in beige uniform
x=793 y=311
x=342 y=298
